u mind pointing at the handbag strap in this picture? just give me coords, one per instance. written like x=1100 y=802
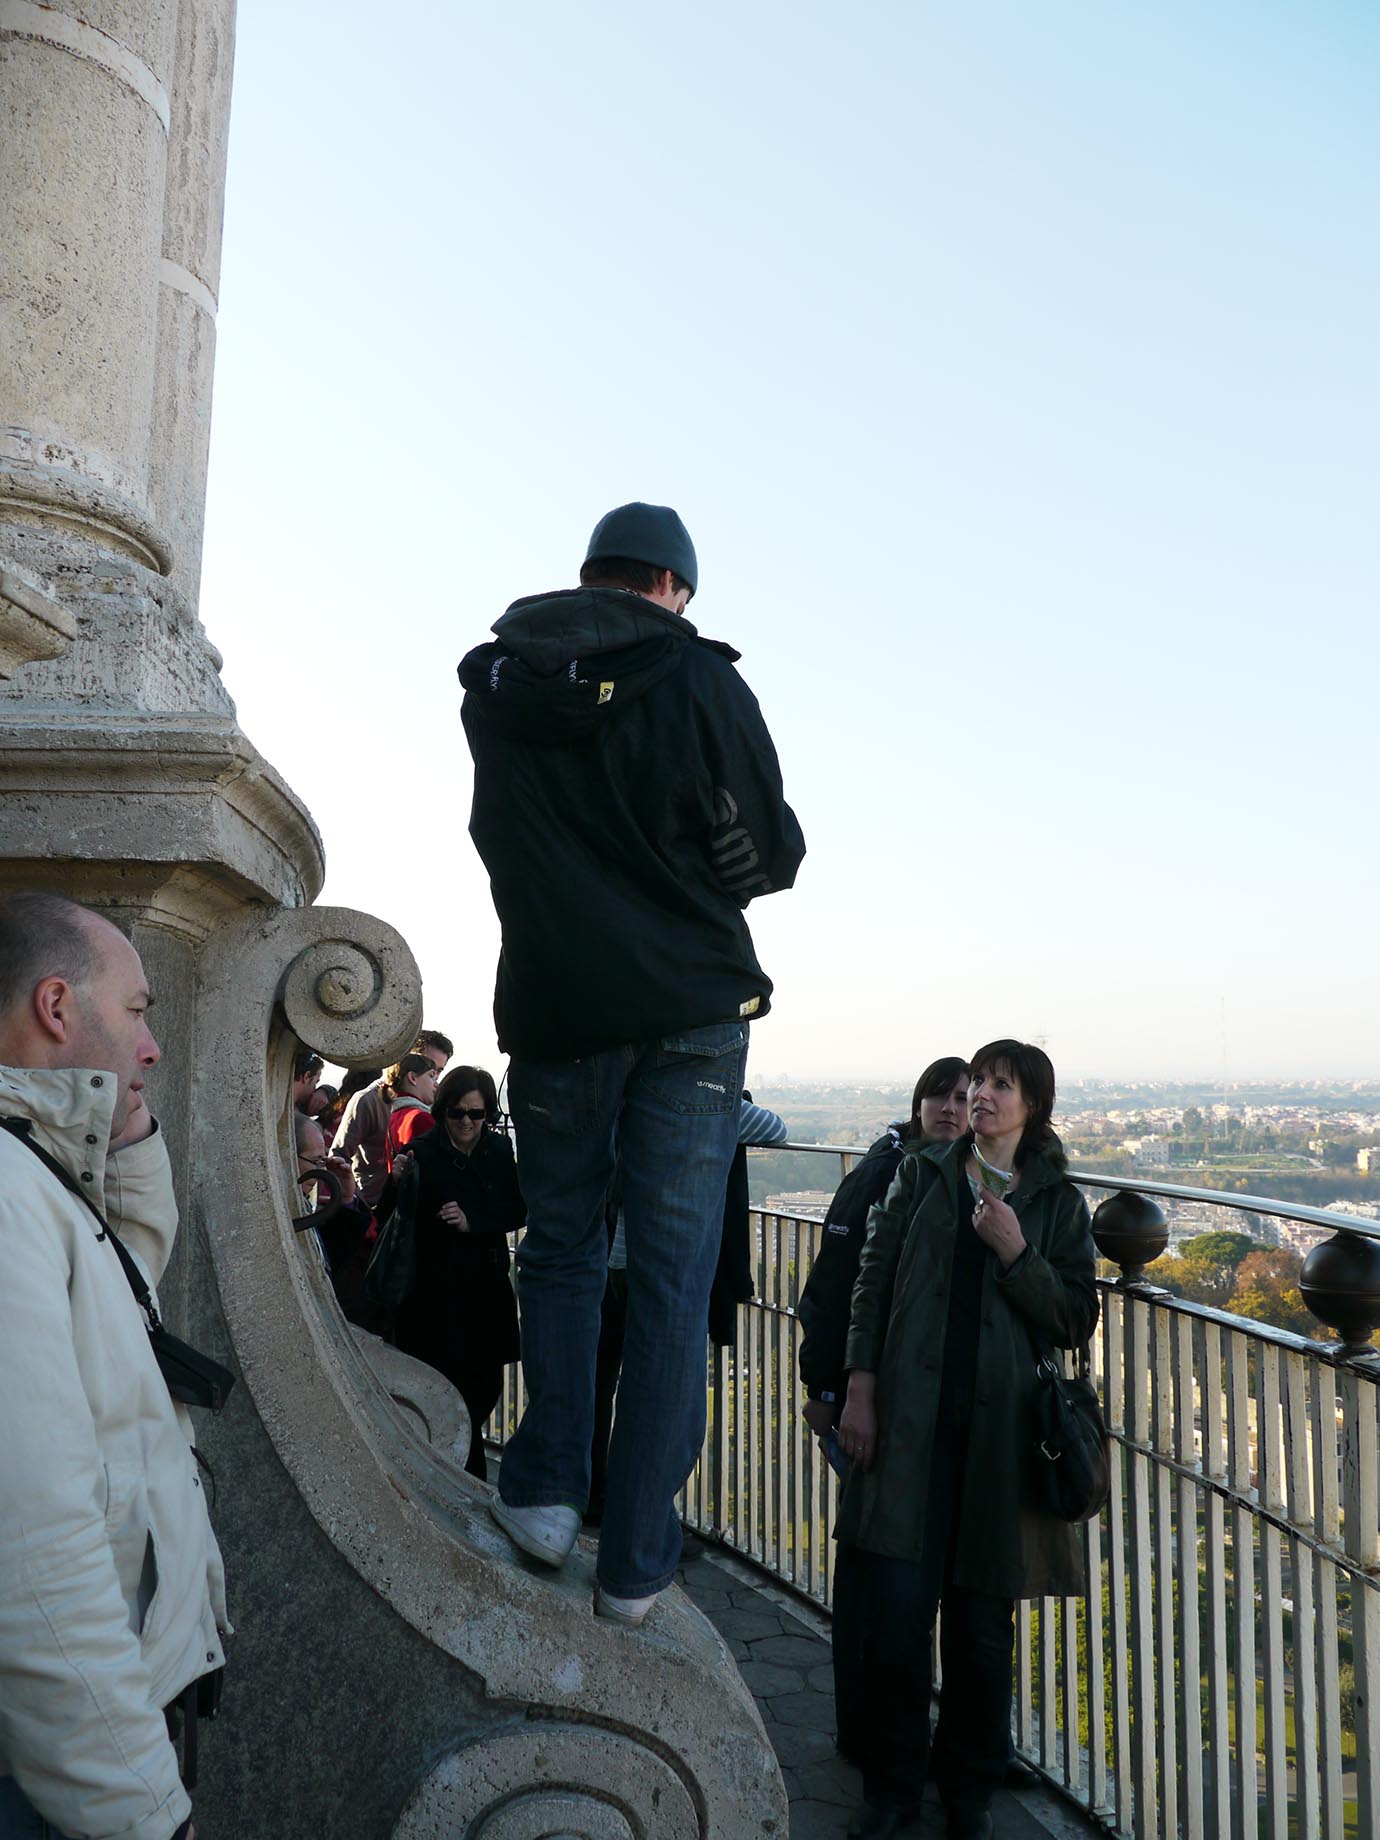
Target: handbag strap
x=1046 y=1354
x=21 y=1129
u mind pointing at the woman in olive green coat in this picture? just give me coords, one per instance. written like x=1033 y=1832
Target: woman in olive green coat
x=980 y=1251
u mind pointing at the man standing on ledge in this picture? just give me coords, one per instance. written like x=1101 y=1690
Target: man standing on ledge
x=628 y=806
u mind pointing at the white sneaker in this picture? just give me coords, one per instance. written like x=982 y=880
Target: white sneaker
x=630 y=1611
x=546 y=1533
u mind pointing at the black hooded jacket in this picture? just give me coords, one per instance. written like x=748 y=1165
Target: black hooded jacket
x=627 y=806
x=827 y=1297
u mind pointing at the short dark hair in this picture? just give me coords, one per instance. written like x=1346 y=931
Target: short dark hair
x=939 y=1077
x=460 y=1080
x=1033 y=1071
x=623 y=572
x=357 y=1079
x=306 y=1061
x=433 y=1038
x=42 y=935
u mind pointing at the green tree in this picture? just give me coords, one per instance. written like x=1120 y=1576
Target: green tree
x=1205 y=1271
x=1267 y=1290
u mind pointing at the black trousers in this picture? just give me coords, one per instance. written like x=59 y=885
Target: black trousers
x=884 y=1616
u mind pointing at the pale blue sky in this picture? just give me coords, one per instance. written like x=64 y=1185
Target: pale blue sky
x=1014 y=369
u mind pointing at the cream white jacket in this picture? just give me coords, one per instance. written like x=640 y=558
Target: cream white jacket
x=111 y=1584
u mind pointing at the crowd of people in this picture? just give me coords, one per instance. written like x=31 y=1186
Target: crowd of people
x=946 y=1253
x=628 y=807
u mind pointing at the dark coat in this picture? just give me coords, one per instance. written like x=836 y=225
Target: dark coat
x=827 y=1300
x=627 y=805
x=461 y=1315
x=1004 y=1546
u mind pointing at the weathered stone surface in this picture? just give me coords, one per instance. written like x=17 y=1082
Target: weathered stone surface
x=765 y=1681
x=32 y=624
x=804 y=1708
x=791 y=1651
x=831 y=1780
x=797 y=1744
x=746 y=1625
x=414 y=1387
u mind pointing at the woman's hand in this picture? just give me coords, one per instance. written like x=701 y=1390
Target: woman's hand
x=454 y=1216
x=996 y=1225
x=858 y=1423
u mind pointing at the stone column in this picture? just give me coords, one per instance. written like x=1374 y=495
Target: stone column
x=396 y=1671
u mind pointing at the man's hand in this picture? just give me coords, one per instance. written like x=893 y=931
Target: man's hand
x=454 y=1216
x=819 y=1416
x=343 y=1174
x=139 y=1122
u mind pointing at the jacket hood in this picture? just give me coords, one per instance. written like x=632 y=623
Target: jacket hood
x=891 y=1140
x=67 y=1106
x=546 y=631
x=562 y=664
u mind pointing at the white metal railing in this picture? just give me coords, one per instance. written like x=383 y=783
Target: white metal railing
x=1234 y=1575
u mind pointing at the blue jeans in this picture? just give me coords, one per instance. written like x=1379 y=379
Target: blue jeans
x=670 y=1110
x=19 y=1819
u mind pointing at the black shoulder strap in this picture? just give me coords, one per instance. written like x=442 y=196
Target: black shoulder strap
x=22 y=1130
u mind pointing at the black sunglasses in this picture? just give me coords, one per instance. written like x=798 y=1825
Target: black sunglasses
x=475 y=1113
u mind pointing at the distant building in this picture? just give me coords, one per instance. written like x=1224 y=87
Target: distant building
x=1151 y=1153
x=809 y=1203
x=1368 y=1159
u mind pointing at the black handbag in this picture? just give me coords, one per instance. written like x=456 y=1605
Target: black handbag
x=392 y=1270
x=194 y=1378
x=1070 y=1454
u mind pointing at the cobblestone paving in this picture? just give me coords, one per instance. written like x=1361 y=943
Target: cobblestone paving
x=782 y=1648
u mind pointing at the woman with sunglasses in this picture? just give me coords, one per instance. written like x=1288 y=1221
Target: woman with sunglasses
x=460 y=1316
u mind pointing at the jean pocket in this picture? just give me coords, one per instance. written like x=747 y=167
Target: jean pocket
x=700 y=1070
x=559 y=1096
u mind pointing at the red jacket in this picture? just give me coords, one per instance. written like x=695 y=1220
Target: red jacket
x=405 y=1124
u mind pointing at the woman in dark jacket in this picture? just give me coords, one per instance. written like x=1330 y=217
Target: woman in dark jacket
x=980 y=1252
x=460 y=1315
x=938 y=1114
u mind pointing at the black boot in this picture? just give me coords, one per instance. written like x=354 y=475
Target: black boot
x=969 y=1824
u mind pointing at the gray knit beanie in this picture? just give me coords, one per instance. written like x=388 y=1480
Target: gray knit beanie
x=652 y=534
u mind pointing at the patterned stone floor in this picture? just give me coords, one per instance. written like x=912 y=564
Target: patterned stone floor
x=782 y=1647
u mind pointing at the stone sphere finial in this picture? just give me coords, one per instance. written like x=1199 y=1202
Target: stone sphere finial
x=1340 y=1282
x=1131 y=1231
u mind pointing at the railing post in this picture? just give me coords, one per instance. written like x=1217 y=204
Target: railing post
x=1361 y=1530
